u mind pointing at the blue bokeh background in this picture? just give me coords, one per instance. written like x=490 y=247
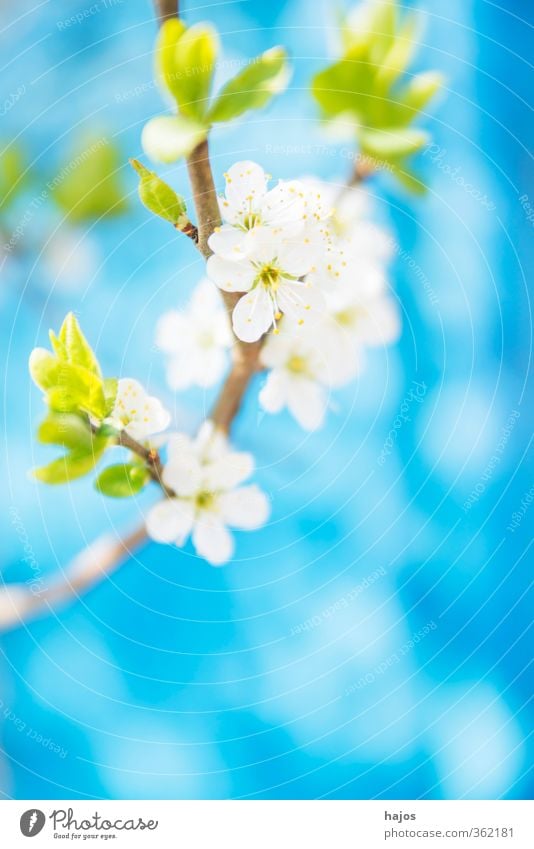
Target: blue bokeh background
x=172 y=679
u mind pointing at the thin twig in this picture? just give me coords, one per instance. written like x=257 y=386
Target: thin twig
x=166 y=9
x=18 y=603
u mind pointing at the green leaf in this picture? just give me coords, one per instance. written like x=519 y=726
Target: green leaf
x=65 y=429
x=110 y=385
x=122 y=480
x=169 y=34
x=44 y=368
x=168 y=138
x=194 y=63
x=391 y=144
x=72 y=465
x=185 y=62
x=253 y=87
x=412 y=98
x=346 y=86
x=12 y=177
x=398 y=57
x=75 y=346
x=88 y=185
x=76 y=389
x=158 y=196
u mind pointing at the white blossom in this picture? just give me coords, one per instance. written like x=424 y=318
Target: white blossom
x=136 y=412
x=289 y=209
x=196 y=340
x=304 y=369
x=205 y=474
x=269 y=273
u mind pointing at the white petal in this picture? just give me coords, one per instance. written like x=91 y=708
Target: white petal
x=283 y=206
x=228 y=242
x=183 y=474
x=230 y=276
x=170 y=521
x=297 y=255
x=273 y=396
x=209 y=366
x=253 y=315
x=307 y=403
x=380 y=325
x=246 y=183
x=277 y=348
x=300 y=302
x=212 y=540
x=246 y=508
x=228 y=470
x=169 y=331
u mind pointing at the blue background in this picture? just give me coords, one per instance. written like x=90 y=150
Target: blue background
x=173 y=679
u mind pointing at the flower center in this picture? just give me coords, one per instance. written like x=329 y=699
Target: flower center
x=269 y=276
x=204 y=499
x=250 y=220
x=297 y=364
x=350 y=316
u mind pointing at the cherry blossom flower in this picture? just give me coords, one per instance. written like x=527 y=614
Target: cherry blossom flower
x=196 y=340
x=205 y=473
x=136 y=412
x=289 y=209
x=304 y=368
x=269 y=273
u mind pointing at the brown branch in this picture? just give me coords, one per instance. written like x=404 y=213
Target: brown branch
x=18 y=602
x=166 y=9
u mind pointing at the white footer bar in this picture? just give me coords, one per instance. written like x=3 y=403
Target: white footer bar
x=268 y=824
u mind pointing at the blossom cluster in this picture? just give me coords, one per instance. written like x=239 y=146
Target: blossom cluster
x=308 y=267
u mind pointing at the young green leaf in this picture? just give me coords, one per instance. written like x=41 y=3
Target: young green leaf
x=65 y=429
x=75 y=346
x=75 y=390
x=122 y=480
x=253 y=87
x=412 y=98
x=158 y=196
x=13 y=176
x=346 y=87
x=44 y=368
x=168 y=36
x=110 y=385
x=393 y=143
x=88 y=186
x=398 y=57
x=168 y=138
x=72 y=465
x=193 y=65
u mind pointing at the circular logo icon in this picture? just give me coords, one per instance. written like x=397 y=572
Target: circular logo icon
x=32 y=822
